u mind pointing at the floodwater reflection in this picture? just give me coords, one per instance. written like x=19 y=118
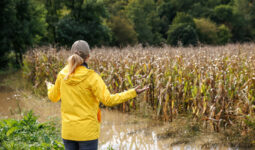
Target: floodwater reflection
x=122 y=131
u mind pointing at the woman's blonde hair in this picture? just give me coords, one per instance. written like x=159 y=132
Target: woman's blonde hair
x=80 y=51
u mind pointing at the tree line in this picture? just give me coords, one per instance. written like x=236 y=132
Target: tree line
x=26 y=23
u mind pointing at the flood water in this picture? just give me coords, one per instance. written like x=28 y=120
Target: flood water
x=121 y=131
x=8 y=102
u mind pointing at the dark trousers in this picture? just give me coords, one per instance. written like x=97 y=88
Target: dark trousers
x=81 y=145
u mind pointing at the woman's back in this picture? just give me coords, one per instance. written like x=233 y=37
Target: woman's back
x=79 y=106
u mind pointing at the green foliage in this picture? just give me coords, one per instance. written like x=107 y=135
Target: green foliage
x=207 y=31
x=26 y=23
x=183 y=18
x=223 y=35
x=244 y=20
x=69 y=30
x=223 y=14
x=123 y=32
x=83 y=25
x=22 y=25
x=144 y=16
x=28 y=134
x=182 y=30
x=29 y=26
x=183 y=5
x=110 y=147
x=196 y=8
x=116 y=7
x=7 y=19
x=200 y=10
x=250 y=121
x=4 y=61
x=182 y=34
x=53 y=8
x=166 y=12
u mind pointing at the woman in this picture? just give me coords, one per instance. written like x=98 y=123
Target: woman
x=81 y=90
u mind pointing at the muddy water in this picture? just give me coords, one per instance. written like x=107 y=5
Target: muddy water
x=9 y=105
x=13 y=104
x=129 y=132
x=120 y=131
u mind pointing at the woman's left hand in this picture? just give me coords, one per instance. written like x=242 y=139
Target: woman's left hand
x=48 y=84
x=139 y=90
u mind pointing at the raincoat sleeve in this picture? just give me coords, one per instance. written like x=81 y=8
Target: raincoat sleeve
x=101 y=92
x=54 y=90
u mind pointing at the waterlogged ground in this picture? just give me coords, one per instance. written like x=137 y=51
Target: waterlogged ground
x=128 y=132
x=120 y=131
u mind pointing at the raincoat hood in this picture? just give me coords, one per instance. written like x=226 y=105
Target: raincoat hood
x=80 y=74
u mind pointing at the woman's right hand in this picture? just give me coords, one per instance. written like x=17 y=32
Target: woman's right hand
x=139 y=90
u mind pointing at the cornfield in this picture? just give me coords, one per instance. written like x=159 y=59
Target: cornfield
x=214 y=84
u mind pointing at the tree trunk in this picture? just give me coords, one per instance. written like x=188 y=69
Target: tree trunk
x=20 y=58
x=16 y=58
x=18 y=55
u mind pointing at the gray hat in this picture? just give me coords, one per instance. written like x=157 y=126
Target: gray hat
x=81 y=48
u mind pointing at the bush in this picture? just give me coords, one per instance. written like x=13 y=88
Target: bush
x=186 y=34
x=144 y=16
x=207 y=31
x=86 y=22
x=223 y=35
x=123 y=32
x=69 y=30
x=29 y=134
x=184 y=19
x=223 y=14
x=182 y=30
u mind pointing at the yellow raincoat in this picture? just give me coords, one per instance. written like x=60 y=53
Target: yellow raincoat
x=80 y=95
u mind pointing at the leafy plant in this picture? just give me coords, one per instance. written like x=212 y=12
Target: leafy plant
x=207 y=31
x=28 y=133
x=182 y=30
